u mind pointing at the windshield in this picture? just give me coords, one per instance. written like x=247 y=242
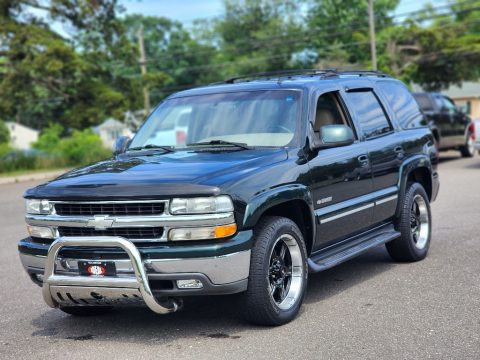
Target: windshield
x=254 y=118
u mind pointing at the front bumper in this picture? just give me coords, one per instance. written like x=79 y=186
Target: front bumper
x=142 y=274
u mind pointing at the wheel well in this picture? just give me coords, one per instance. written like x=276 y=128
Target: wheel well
x=422 y=176
x=299 y=212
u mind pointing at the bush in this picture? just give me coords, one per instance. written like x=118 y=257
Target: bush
x=82 y=148
x=49 y=139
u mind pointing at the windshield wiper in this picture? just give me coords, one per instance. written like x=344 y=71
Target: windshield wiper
x=153 y=146
x=222 y=142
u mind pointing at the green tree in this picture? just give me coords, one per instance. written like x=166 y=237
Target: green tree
x=343 y=24
x=4 y=133
x=256 y=36
x=440 y=54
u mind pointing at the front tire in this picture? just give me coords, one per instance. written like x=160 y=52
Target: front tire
x=415 y=226
x=278 y=273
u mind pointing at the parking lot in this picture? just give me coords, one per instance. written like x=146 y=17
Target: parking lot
x=369 y=307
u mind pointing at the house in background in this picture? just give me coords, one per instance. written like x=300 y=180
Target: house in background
x=467 y=97
x=110 y=130
x=21 y=137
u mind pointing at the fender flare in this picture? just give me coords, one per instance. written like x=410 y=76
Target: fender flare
x=413 y=163
x=277 y=196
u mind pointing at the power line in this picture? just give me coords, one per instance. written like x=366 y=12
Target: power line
x=267 y=41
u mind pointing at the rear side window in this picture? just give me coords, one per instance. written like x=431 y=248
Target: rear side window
x=424 y=102
x=372 y=117
x=403 y=104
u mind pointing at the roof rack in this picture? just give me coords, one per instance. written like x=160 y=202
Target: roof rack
x=323 y=74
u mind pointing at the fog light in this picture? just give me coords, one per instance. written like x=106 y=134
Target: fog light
x=189 y=284
x=39 y=277
x=40 y=232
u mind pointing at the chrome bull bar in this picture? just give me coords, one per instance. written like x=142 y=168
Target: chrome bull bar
x=111 y=285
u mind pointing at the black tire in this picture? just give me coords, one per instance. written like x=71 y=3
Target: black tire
x=86 y=310
x=468 y=150
x=259 y=306
x=411 y=246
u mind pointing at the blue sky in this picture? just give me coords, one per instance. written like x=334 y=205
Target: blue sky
x=188 y=10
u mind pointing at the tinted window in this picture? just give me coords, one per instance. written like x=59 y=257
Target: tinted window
x=373 y=120
x=402 y=103
x=424 y=102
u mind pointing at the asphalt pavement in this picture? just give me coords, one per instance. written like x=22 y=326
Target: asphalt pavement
x=367 y=308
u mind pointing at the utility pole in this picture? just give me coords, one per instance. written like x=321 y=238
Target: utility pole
x=143 y=67
x=373 y=40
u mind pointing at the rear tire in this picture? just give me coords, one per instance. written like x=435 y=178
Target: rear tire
x=415 y=226
x=468 y=150
x=86 y=310
x=278 y=273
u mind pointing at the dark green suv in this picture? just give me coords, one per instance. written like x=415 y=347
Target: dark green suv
x=268 y=178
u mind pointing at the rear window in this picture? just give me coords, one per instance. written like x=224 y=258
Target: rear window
x=424 y=102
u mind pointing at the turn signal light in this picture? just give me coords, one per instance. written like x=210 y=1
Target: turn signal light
x=225 y=230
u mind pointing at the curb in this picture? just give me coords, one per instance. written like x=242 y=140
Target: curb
x=32 y=177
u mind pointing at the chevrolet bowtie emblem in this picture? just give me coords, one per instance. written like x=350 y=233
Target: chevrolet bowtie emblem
x=100 y=222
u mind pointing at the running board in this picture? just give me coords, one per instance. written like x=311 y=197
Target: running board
x=337 y=254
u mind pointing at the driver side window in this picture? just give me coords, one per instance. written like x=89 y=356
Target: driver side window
x=329 y=111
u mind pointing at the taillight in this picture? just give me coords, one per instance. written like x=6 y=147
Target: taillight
x=181 y=137
x=471 y=129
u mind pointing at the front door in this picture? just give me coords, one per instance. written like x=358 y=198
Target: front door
x=341 y=178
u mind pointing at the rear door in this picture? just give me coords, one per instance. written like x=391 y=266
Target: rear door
x=384 y=146
x=459 y=121
x=341 y=178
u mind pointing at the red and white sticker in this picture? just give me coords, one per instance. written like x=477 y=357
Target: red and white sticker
x=96 y=270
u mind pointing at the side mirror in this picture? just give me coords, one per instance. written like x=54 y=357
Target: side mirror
x=121 y=145
x=334 y=136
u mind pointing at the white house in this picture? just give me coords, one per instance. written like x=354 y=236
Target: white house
x=110 y=130
x=21 y=136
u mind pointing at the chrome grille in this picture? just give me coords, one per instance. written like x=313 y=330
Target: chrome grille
x=127 y=233
x=121 y=209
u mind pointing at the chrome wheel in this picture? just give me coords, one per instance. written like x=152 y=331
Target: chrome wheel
x=285 y=273
x=419 y=222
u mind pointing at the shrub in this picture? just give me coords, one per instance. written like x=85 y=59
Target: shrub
x=82 y=148
x=49 y=139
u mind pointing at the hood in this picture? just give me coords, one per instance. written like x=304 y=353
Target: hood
x=157 y=175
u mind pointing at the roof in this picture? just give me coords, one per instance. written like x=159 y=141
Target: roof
x=111 y=123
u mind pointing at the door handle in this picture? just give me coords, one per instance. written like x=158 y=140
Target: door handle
x=363 y=160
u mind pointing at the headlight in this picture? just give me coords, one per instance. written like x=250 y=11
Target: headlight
x=201 y=205
x=40 y=232
x=36 y=206
x=202 y=233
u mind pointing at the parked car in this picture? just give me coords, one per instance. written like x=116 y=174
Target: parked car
x=278 y=176
x=451 y=127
